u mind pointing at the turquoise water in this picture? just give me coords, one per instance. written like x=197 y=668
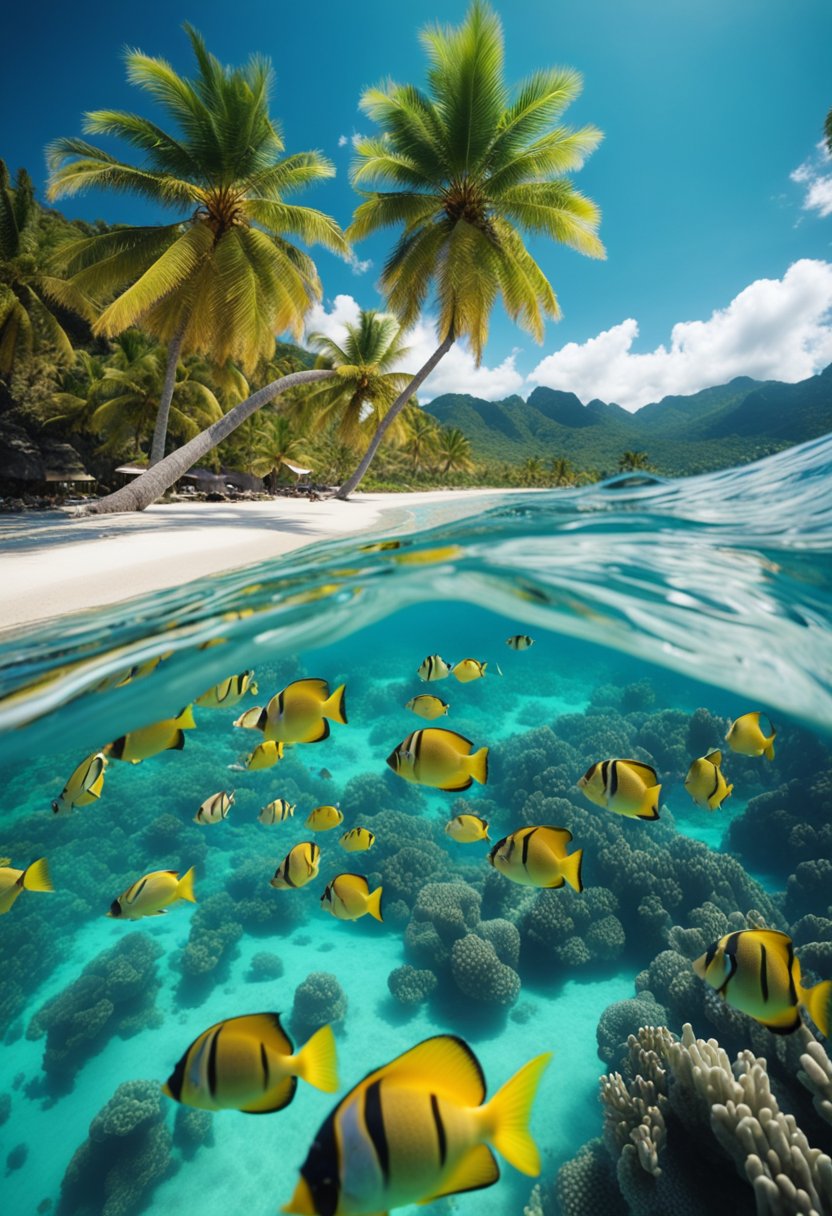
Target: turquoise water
x=660 y=612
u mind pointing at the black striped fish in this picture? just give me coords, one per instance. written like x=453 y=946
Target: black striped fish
x=298 y=867
x=147 y=741
x=215 y=808
x=439 y=758
x=84 y=786
x=433 y=667
x=153 y=894
x=12 y=881
x=277 y=811
x=626 y=787
x=357 y=840
x=415 y=1130
x=348 y=897
x=705 y=782
x=520 y=641
x=537 y=857
x=300 y=713
x=248 y=1063
x=228 y=692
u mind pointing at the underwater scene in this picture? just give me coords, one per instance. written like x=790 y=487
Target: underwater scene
x=521 y=823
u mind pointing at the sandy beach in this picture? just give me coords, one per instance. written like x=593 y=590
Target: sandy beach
x=57 y=563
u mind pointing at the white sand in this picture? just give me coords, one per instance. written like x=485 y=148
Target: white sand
x=52 y=566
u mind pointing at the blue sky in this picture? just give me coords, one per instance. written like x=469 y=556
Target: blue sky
x=708 y=109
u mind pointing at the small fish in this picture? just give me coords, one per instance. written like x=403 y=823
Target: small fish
x=228 y=692
x=147 y=741
x=415 y=1130
x=626 y=787
x=467 y=670
x=520 y=641
x=746 y=737
x=380 y=546
x=153 y=894
x=298 y=867
x=325 y=774
x=323 y=818
x=433 y=667
x=249 y=1064
x=756 y=972
x=84 y=786
x=427 y=706
x=439 y=758
x=34 y=878
x=537 y=857
x=357 y=840
x=120 y=679
x=427 y=557
x=215 y=808
x=277 y=812
x=265 y=755
x=467 y=829
x=298 y=714
x=705 y=782
x=348 y=897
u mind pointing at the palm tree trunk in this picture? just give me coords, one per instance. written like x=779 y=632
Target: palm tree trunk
x=160 y=432
x=153 y=484
x=387 y=421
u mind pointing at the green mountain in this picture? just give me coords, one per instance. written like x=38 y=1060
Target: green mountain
x=717 y=427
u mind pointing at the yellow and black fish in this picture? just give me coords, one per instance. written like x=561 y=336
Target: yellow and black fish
x=298 y=867
x=228 y=692
x=277 y=812
x=215 y=808
x=147 y=741
x=756 y=972
x=357 y=840
x=467 y=670
x=84 y=786
x=537 y=857
x=433 y=667
x=298 y=714
x=439 y=758
x=415 y=1130
x=324 y=818
x=427 y=706
x=467 y=829
x=520 y=641
x=34 y=878
x=153 y=894
x=626 y=787
x=249 y=1064
x=746 y=737
x=265 y=755
x=705 y=782
x=348 y=897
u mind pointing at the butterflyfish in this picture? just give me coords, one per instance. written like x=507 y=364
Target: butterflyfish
x=433 y=667
x=228 y=692
x=357 y=840
x=147 y=741
x=84 y=786
x=467 y=670
x=705 y=782
x=747 y=738
x=298 y=867
x=300 y=713
x=348 y=897
x=427 y=706
x=325 y=774
x=34 y=878
x=215 y=808
x=626 y=787
x=439 y=758
x=153 y=894
x=415 y=1130
x=277 y=812
x=467 y=829
x=537 y=857
x=324 y=818
x=249 y=1063
x=265 y=755
x=756 y=972
x=519 y=641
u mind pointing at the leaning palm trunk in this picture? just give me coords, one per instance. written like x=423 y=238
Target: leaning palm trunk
x=389 y=418
x=160 y=433
x=153 y=484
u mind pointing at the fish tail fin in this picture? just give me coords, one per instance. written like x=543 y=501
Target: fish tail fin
x=507 y=1117
x=374 y=904
x=570 y=868
x=649 y=808
x=477 y=765
x=186 y=720
x=253 y=688
x=715 y=801
x=317 y=1062
x=36 y=877
x=818 y=1001
x=335 y=708
x=768 y=750
x=185 y=887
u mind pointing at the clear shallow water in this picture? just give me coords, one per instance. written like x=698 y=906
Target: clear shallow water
x=660 y=612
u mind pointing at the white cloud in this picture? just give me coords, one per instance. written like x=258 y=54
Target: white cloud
x=775 y=329
x=342 y=141
x=815 y=175
x=358 y=265
x=353 y=139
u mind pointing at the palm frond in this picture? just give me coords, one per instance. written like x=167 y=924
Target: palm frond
x=174 y=267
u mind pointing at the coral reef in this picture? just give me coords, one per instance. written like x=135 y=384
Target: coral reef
x=410 y=986
x=479 y=974
x=211 y=945
x=16 y=1159
x=571 y=930
x=5 y=1107
x=319 y=1000
x=192 y=1129
x=264 y=966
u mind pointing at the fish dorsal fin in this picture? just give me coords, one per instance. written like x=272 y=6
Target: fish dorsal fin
x=311 y=685
x=458 y=742
x=443 y=1064
x=266 y=1028
x=355 y=882
x=715 y=757
x=556 y=839
x=477 y=1169
x=643 y=770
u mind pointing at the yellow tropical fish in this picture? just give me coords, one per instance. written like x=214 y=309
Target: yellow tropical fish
x=228 y=692
x=379 y=546
x=427 y=706
x=298 y=867
x=756 y=972
x=215 y=808
x=439 y=758
x=277 y=811
x=746 y=737
x=265 y=755
x=427 y=557
x=348 y=897
x=34 y=878
x=415 y=1130
x=537 y=857
x=147 y=741
x=120 y=679
x=433 y=667
x=84 y=786
x=299 y=713
x=324 y=818
x=153 y=894
x=705 y=782
x=467 y=670
x=467 y=829
x=520 y=641
x=248 y=1063
x=626 y=787
x=357 y=840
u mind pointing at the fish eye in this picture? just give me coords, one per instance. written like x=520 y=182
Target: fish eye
x=115 y=908
x=55 y=807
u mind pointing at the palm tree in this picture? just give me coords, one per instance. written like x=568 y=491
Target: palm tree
x=222 y=278
x=531 y=471
x=421 y=435
x=276 y=441
x=561 y=472
x=629 y=462
x=465 y=169
x=455 y=450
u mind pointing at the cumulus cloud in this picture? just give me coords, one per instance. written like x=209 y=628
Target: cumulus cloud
x=815 y=176
x=342 y=141
x=775 y=329
x=353 y=139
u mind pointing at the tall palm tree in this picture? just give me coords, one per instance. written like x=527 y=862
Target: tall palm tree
x=455 y=450
x=629 y=461
x=531 y=471
x=421 y=437
x=561 y=472
x=222 y=278
x=465 y=169
x=276 y=440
